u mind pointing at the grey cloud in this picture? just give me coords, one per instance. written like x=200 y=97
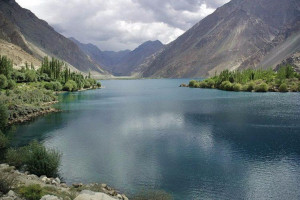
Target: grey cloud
x=122 y=24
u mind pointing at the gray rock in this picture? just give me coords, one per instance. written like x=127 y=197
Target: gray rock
x=57 y=180
x=89 y=195
x=50 y=197
x=77 y=185
x=11 y=194
x=64 y=185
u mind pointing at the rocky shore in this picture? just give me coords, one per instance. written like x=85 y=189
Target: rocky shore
x=54 y=188
x=23 y=114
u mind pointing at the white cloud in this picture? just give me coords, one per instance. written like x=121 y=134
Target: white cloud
x=121 y=24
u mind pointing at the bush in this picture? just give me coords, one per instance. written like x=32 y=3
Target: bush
x=30 y=76
x=98 y=84
x=192 y=83
x=3 y=141
x=41 y=161
x=36 y=159
x=226 y=85
x=283 y=88
x=11 y=84
x=31 y=192
x=3 y=115
x=7 y=182
x=3 y=81
x=16 y=157
x=237 y=87
x=263 y=87
x=70 y=86
x=48 y=86
x=250 y=86
x=210 y=83
x=87 y=84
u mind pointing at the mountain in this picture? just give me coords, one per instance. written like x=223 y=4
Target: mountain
x=240 y=34
x=122 y=63
x=21 y=27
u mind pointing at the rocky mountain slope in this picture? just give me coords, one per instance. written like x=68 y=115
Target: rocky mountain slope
x=240 y=34
x=122 y=63
x=21 y=27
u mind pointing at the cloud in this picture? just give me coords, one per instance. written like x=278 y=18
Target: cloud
x=121 y=24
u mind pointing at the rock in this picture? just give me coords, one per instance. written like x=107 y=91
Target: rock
x=77 y=185
x=124 y=197
x=64 y=185
x=89 y=195
x=11 y=193
x=112 y=192
x=57 y=180
x=4 y=166
x=50 y=197
x=119 y=196
x=53 y=182
x=183 y=85
x=33 y=177
x=26 y=173
x=104 y=185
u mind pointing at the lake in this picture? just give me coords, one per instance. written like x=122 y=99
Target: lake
x=192 y=143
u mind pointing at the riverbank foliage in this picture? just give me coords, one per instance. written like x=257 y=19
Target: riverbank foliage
x=253 y=80
x=30 y=92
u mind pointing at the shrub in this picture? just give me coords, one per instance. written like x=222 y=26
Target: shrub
x=3 y=115
x=152 y=195
x=283 y=87
x=11 y=84
x=7 y=182
x=210 y=83
x=70 y=86
x=98 y=84
x=237 y=87
x=16 y=157
x=30 y=76
x=250 y=86
x=87 y=84
x=36 y=159
x=3 y=141
x=31 y=192
x=3 y=81
x=263 y=87
x=48 y=86
x=192 y=83
x=41 y=161
x=226 y=85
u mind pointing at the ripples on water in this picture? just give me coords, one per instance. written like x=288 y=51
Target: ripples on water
x=193 y=143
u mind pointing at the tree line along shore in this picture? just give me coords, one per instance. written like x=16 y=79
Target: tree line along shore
x=286 y=79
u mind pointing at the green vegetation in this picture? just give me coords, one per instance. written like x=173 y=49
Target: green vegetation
x=285 y=80
x=31 y=192
x=36 y=159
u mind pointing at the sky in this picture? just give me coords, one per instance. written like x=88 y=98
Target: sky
x=121 y=24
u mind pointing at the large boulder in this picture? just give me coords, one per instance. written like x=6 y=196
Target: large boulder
x=89 y=195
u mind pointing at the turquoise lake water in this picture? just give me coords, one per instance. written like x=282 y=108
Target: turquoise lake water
x=192 y=143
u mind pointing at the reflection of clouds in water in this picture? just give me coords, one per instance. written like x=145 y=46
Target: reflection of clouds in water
x=151 y=121
x=276 y=177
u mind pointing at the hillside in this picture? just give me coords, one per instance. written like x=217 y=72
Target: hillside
x=22 y=28
x=240 y=34
x=122 y=63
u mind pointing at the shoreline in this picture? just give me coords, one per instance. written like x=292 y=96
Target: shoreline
x=57 y=188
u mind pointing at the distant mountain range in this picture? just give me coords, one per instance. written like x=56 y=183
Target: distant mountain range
x=239 y=35
x=122 y=63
